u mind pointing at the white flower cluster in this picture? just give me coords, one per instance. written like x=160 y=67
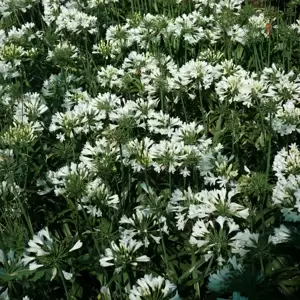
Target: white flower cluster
x=43 y=251
x=139 y=126
x=149 y=285
x=75 y=21
x=122 y=254
x=286 y=192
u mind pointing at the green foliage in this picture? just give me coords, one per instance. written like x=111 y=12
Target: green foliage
x=149 y=149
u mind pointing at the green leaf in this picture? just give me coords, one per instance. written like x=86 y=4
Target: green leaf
x=193 y=281
x=239 y=52
x=175 y=256
x=18 y=274
x=291 y=282
x=218 y=130
x=38 y=275
x=191 y=270
x=77 y=290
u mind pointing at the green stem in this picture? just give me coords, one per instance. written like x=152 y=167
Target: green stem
x=195 y=177
x=86 y=219
x=203 y=111
x=160 y=230
x=269 y=148
x=163 y=245
x=262 y=265
x=290 y=55
x=194 y=274
x=64 y=283
x=233 y=133
x=184 y=110
x=209 y=266
x=122 y=177
x=26 y=217
x=269 y=50
x=256 y=59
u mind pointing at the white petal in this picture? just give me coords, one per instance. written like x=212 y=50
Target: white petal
x=104 y=262
x=78 y=245
x=34 y=266
x=143 y=258
x=67 y=275
x=26 y=259
x=54 y=272
x=2 y=256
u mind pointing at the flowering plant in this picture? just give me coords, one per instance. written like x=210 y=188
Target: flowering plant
x=149 y=149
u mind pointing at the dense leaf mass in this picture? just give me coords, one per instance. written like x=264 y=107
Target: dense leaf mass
x=149 y=149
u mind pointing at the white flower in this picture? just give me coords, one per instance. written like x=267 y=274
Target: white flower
x=29 y=108
x=287 y=161
x=218 y=282
x=286 y=120
x=54 y=273
x=286 y=195
x=27 y=259
x=136 y=153
x=119 y=255
x=75 y=21
x=78 y=245
x=213 y=236
x=33 y=266
x=150 y=285
x=164 y=124
x=39 y=242
x=165 y=156
x=96 y=157
x=98 y=198
x=242 y=241
x=197 y=74
x=234 y=88
x=238 y=33
x=281 y=235
x=143 y=225
x=2 y=257
x=68 y=276
x=4 y=295
x=70 y=173
x=110 y=77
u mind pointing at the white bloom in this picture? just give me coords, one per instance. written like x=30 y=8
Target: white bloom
x=4 y=295
x=215 y=237
x=287 y=161
x=234 y=88
x=98 y=198
x=33 y=266
x=150 y=285
x=119 y=255
x=67 y=275
x=75 y=21
x=165 y=156
x=281 y=235
x=218 y=282
x=243 y=241
x=286 y=194
x=78 y=245
x=143 y=225
x=238 y=34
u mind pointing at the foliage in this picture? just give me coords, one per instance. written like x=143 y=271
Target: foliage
x=149 y=149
